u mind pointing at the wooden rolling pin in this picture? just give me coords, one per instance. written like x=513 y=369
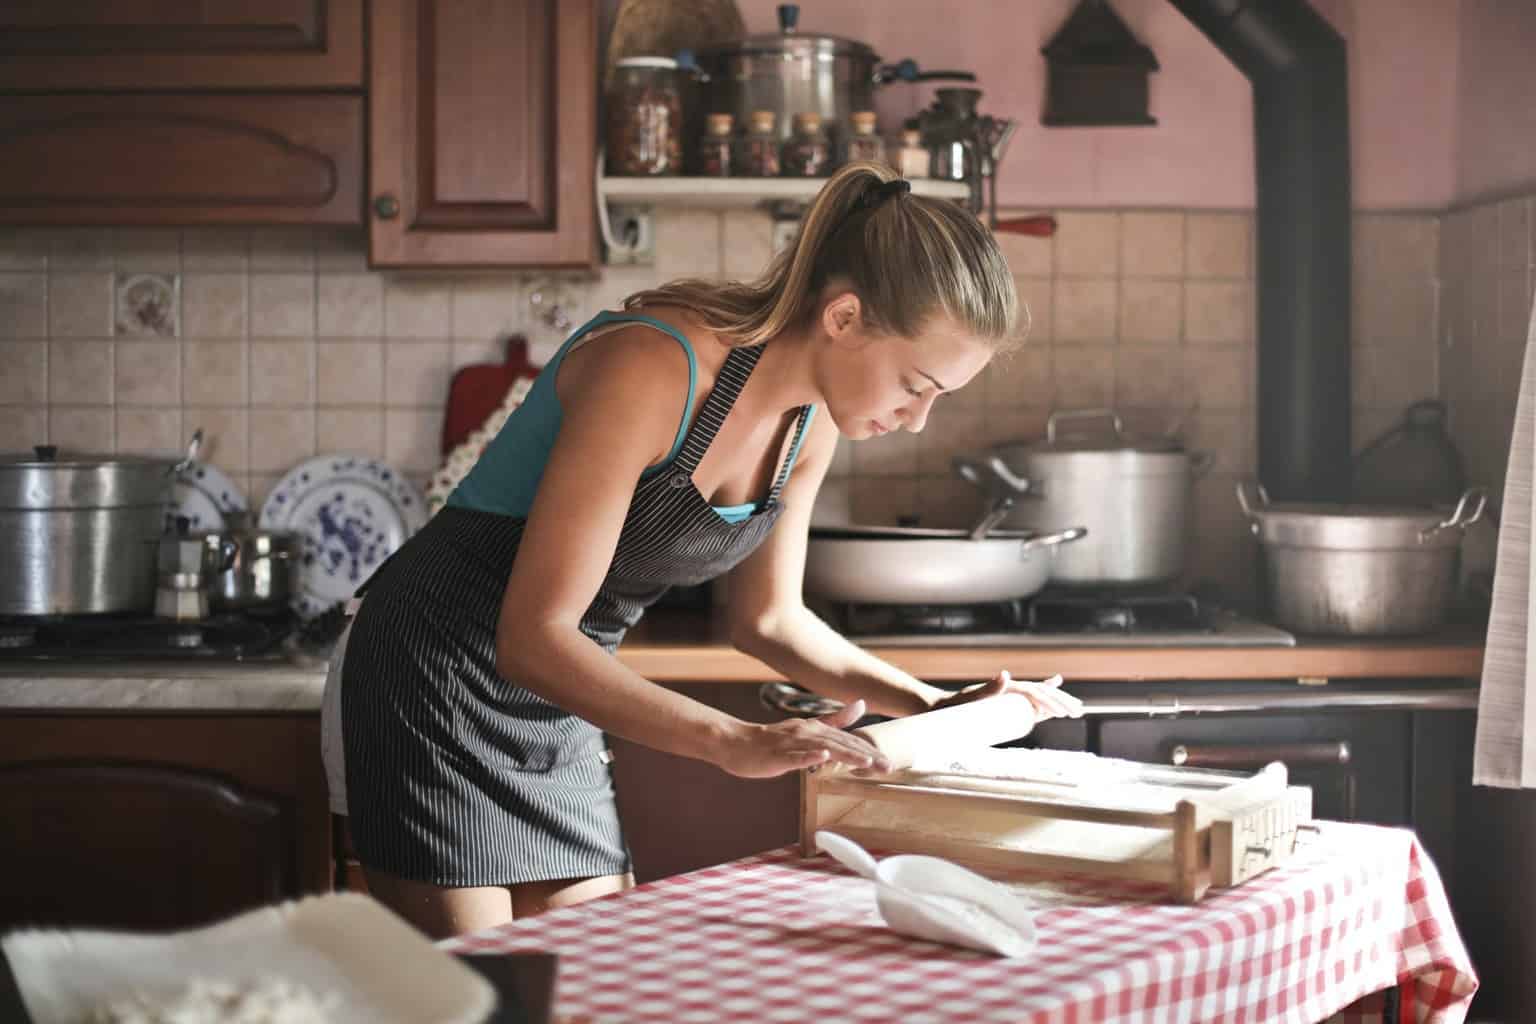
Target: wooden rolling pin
x=981 y=723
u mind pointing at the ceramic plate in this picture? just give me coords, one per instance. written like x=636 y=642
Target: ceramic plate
x=206 y=497
x=352 y=512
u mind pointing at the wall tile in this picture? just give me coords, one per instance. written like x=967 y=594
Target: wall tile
x=1085 y=310
x=416 y=373
x=1218 y=311
x=894 y=454
x=1085 y=377
x=1027 y=255
x=23 y=249
x=283 y=305
x=208 y=250
x=1219 y=245
x=148 y=373
x=1087 y=244
x=150 y=431
x=687 y=241
x=1149 y=377
x=23 y=305
x=350 y=305
x=746 y=243
x=25 y=380
x=948 y=503
x=1023 y=423
x=81 y=249
x=226 y=435
x=489 y=307
x=1034 y=309
x=1515 y=233
x=1401 y=246
x=1152 y=244
x=1020 y=378
x=213 y=305
x=281 y=439
x=341 y=250
x=357 y=431
x=80 y=305
x=349 y=372
x=283 y=249
x=1229 y=437
x=22 y=427
x=282 y=372
x=947 y=434
x=1219 y=376
x=213 y=373
x=1390 y=308
x=1151 y=311
x=464 y=352
x=80 y=372
x=884 y=501
x=81 y=428
x=1514 y=317
x=417 y=308
x=147 y=250
x=411 y=438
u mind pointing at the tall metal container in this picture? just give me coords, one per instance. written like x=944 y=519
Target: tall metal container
x=78 y=535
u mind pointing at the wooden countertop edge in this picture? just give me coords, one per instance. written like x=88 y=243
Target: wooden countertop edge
x=721 y=663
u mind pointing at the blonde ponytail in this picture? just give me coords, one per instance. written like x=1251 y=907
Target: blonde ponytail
x=906 y=257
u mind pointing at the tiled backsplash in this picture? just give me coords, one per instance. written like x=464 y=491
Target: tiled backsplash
x=281 y=344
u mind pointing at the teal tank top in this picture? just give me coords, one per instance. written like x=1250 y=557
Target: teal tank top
x=507 y=475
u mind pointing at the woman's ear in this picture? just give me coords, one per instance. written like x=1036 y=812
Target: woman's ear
x=841 y=315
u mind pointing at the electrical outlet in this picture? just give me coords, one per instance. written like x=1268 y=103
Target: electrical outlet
x=634 y=230
x=783 y=234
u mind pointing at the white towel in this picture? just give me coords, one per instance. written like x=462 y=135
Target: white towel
x=1505 y=753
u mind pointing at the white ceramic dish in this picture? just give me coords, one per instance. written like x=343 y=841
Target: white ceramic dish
x=206 y=497
x=344 y=946
x=935 y=899
x=352 y=512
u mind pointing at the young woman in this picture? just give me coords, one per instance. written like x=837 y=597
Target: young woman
x=681 y=439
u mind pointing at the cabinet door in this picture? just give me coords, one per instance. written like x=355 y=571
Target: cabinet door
x=154 y=823
x=482 y=133
x=162 y=159
x=151 y=44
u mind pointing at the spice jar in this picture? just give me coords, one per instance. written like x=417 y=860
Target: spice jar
x=758 y=156
x=645 y=118
x=912 y=157
x=864 y=144
x=715 y=147
x=807 y=154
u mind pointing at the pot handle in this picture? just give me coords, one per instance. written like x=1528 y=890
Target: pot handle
x=1082 y=414
x=977 y=469
x=796 y=701
x=1460 y=518
x=1051 y=540
x=1200 y=463
x=1247 y=505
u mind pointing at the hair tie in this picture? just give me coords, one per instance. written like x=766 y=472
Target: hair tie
x=873 y=197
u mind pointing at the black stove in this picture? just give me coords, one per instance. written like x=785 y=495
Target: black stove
x=226 y=637
x=1061 y=617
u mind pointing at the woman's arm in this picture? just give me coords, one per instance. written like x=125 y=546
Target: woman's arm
x=619 y=416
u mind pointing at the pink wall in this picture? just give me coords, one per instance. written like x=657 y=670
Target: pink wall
x=1403 y=58
x=1497 y=115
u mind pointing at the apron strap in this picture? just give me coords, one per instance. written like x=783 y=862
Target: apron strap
x=733 y=376
x=794 y=451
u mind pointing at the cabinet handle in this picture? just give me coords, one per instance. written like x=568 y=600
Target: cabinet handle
x=386 y=206
x=1197 y=755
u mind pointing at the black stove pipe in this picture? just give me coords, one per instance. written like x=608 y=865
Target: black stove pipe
x=1297 y=65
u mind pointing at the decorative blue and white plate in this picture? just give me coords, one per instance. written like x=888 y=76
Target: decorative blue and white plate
x=206 y=497
x=352 y=512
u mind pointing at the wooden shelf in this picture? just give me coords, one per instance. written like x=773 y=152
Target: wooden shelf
x=742 y=192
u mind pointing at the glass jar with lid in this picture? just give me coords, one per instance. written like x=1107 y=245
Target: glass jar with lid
x=912 y=157
x=864 y=144
x=758 y=156
x=715 y=148
x=808 y=153
x=644 y=134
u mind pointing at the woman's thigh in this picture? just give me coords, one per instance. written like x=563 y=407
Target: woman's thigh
x=441 y=911
x=532 y=898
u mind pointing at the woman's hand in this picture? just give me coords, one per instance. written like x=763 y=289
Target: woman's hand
x=762 y=751
x=1048 y=699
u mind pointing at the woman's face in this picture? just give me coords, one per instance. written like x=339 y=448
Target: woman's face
x=873 y=383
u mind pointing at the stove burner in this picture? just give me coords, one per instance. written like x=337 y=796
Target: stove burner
x=931 y=618
x=229 y=637
x=14 y=636
x=1051 y=611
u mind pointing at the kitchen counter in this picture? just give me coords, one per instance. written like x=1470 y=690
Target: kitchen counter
x=684 y=647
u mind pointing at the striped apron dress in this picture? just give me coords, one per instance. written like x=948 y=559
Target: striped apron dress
x=456 y=776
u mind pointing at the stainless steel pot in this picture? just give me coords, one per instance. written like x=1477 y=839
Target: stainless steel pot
x=1132 y=494
x=79 y=533
x=250 y=570
x=1359 y=569
x=790 y=72
x=877 y=565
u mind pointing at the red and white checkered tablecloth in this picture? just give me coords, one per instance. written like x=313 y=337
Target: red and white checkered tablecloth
x=780 y=938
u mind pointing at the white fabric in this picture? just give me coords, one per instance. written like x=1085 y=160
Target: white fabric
x=1505 y=752
x=331 y=749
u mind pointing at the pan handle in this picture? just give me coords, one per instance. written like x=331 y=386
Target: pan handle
x=796 y=701
x=1051 y=540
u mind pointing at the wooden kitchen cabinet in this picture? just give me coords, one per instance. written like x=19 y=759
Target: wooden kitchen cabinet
x=482 y=133
x=153 y=45
x=171 y=159
x=158 y=821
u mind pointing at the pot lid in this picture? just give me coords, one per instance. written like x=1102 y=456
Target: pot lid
x=789 y=41
x=44 y=456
